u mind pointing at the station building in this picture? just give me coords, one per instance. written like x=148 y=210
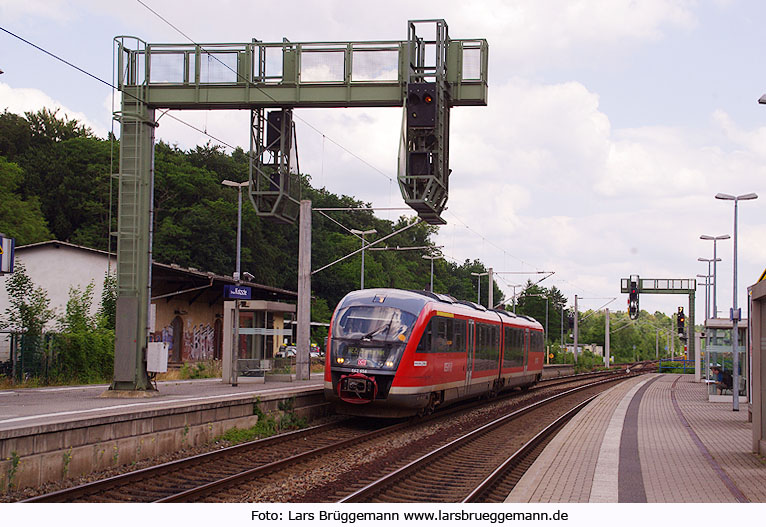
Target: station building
x=187 y=308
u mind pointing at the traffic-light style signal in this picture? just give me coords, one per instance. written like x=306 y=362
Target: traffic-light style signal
x=681 y=318
x=633 y=300
x=421 y=105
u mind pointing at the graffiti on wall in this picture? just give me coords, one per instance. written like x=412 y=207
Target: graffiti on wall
x=198 y=341
x=202 y=346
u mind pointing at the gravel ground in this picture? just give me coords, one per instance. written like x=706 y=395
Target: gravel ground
x=325 y=474
x=29 y=492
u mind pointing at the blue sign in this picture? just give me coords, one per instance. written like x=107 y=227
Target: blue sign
x=237 y=292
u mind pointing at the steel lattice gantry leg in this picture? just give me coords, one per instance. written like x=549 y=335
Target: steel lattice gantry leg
x=136 y=185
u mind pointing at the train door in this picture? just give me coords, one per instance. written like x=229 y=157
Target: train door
x=526 y=350
x=469 y=354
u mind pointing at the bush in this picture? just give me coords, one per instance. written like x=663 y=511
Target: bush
x=82 y=352
x=85 y=356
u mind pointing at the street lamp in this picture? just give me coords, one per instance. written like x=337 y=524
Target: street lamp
x=735 y=313
x=478 y=295
x=715 y=259
x=708 y=283
x=514 y=286
x=362 y=234
x=235 y=347
x=432 y=258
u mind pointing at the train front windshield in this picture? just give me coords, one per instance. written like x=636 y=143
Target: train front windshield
x=370 y=336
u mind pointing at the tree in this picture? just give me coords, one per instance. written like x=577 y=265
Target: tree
x=82 y=351
x=46 y=127
x=20 y=219
x=29 y=309
x=15 y=135
x=107 y=311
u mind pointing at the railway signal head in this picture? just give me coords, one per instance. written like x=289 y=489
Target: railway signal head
x=633 y=300
x=681 y=321
x=421 y=105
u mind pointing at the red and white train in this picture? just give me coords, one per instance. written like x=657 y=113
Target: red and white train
x=394 y=353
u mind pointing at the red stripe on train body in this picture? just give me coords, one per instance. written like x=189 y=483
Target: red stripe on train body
x=394 y=353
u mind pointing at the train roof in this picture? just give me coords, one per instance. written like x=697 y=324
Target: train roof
x=415 y=301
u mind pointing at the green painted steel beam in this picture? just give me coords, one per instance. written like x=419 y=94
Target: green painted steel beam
x=661 y=286
x=238 y=97
x=295 y=74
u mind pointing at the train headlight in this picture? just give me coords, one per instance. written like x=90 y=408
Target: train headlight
x=340 y=360
x=389 y=364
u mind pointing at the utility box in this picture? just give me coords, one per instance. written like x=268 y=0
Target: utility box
x=157 y=357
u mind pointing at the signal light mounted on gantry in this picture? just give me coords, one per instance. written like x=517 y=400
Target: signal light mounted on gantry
x=633 y=299
x=421 y=105
x=681 y=319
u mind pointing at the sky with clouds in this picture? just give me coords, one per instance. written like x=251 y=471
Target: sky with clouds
x=610 y=125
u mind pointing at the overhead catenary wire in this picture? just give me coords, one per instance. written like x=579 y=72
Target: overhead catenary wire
x=324 y=136
x=223 y=142
x=252 y=84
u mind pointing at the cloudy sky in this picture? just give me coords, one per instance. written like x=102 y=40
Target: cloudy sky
x=610 y=125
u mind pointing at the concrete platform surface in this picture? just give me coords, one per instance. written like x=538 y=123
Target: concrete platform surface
x=652 y=439
x=45 y=406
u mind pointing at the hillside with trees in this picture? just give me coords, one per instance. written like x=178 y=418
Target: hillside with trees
x=55 y=183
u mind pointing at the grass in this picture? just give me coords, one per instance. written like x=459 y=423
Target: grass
x=267 y=425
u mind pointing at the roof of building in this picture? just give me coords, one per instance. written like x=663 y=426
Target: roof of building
x=176 y=269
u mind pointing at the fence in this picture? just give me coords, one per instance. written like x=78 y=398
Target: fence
x=676 y=366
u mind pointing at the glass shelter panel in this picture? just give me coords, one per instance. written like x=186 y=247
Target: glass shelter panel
x=719 y=355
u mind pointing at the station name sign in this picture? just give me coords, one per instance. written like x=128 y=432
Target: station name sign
x=237 y=292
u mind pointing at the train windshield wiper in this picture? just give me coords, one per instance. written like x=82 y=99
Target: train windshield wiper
x=377 y=330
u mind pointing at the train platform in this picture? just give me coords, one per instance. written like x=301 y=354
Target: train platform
x=48 y=434
x=652 y=439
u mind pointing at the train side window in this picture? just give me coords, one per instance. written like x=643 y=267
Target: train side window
x=424 y=346
x=459 y=336
x=514 y=347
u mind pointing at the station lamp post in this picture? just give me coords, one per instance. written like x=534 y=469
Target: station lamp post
x=432 y=258
x=235 y=347
x=715 y=260
x=708 y=284
x=514 y=286
x=735 y=313
x=478 y=295
x=362 y=234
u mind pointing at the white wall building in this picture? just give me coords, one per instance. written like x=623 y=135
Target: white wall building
x=56 y=267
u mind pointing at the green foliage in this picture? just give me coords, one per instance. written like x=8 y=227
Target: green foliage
x=55 y=181
x=532 y=302
x=19 y=218
x=267 y=424
x=77 y=316
x=82 y=352
x=46 y=127
x=15 y=135
x=107 y=311
x=29 y=308
x=15 y=459
x=201 y=370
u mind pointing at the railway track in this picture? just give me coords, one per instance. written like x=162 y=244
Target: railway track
x=211 y=476
x=157 y=483
x=484 y=464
